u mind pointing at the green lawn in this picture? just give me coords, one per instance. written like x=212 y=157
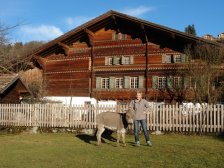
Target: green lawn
x=52 y=150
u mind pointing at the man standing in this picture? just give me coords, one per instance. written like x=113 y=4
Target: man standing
x=140 y=106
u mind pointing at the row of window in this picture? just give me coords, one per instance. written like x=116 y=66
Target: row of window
x=158 y=82
x=173 y=58
x=119 y=83
x=162 y=82
x=119 y=60
x=125 y=60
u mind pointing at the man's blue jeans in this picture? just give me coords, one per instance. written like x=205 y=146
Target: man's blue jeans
x=136 y=130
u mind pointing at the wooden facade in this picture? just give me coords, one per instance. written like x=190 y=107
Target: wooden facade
x=112 y=56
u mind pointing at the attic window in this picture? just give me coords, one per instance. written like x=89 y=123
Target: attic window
x=118 y=36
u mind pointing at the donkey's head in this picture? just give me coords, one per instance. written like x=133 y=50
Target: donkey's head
x=130 y=116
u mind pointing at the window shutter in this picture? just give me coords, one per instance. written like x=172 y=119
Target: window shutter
x=127 y=82
x=154 y=82
x=169 y=82
x=172 y=58
x=131 y=60
x=114 y=60
x=106 y=61
x=140 y=81
x=183 y=58
x=186 y=82
x=163 y=58
x=98 y=82
x=112 y=82
x=122 y=60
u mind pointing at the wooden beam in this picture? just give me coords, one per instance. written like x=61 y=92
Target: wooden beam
x=144 y=34
x=92 y=72
x=65 y=47
x=90 y=33
x=147 y=58
x=116 y=24
x=146 y=69
x=90 y=37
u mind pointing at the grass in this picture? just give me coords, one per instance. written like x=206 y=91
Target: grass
x=58 y=150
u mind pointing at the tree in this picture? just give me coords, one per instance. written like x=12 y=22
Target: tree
x=204 y=70
x=190 y=29
x=15 y=57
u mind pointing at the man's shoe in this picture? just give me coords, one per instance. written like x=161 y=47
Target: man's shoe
x=149 y=144
x=137 y=144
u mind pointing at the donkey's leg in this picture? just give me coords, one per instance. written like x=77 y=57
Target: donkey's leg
x=98 y=134
x=118 y=137
x=123 y=136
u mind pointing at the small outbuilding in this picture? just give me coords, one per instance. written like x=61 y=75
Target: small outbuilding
x=12 y=89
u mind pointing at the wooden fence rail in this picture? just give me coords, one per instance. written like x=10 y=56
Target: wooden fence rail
x=160 y=118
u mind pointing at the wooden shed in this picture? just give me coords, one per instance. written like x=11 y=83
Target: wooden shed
x=12 y=89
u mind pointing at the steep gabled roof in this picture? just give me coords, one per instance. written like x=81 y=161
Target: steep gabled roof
x=7 y=80
x=126 y=24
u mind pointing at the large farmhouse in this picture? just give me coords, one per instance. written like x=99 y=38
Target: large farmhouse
x=112 y=56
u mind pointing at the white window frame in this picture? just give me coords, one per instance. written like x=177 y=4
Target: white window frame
x=119 y=83
x=105 y=82
x=134 y=82
x=162 y=82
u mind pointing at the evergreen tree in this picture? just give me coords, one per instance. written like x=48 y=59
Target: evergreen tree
x=190 y=29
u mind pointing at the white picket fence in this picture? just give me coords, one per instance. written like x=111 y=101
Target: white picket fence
x=160 y=118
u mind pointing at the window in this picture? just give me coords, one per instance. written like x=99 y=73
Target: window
x=178 y=82
x=119 y=36
x=178 y=59
x=105 y=83
x=119 y=61
x=116 y=36
x=133 y=82
x=123 y=36
x=127 y=60
x=166 y=58
x=119 y=83
x=161 y=82
x=110 y=61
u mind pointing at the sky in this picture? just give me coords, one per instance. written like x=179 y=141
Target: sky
x=44 y=20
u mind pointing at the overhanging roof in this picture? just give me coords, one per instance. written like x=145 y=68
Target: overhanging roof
x=137 y=28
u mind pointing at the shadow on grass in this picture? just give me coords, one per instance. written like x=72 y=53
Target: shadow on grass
x=107 y=134
x=221 y=136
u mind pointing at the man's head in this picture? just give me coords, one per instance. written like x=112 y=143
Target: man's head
x=138 y=95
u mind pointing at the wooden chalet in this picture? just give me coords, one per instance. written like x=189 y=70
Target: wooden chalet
x=112 y=56
x=12 y=89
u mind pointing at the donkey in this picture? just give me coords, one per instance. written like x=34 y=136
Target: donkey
x=115 y=122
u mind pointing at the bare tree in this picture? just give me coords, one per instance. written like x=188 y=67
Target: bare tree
x=205 y=72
